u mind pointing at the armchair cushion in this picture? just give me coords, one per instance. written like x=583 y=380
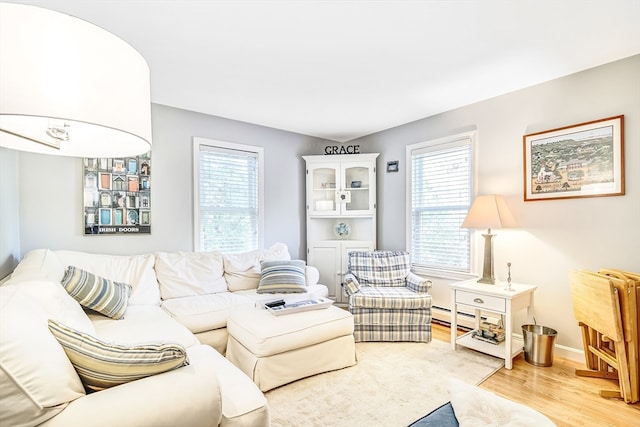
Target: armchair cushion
x=380 y=268
x=389 y=298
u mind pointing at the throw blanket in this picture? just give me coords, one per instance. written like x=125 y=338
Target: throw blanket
x=471 y=406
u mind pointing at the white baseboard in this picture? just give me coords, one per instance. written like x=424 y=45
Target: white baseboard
x=568 y=353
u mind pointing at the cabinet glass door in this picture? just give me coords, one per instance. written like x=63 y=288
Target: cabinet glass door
x=322 y=185
x=359 y=182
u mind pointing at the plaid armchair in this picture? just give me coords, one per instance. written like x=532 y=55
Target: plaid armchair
x=387 y=300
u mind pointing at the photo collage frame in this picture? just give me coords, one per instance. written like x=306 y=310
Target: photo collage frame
x=117 y=195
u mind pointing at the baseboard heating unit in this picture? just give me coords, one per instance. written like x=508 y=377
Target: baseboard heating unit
x=442 y=315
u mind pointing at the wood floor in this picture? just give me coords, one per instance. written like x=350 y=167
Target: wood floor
x=568 y=400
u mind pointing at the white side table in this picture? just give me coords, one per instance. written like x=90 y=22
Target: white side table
x=494 y=299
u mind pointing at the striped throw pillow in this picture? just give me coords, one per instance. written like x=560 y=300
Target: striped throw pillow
x=97 y=293
x=286 y=277
x=101 y=365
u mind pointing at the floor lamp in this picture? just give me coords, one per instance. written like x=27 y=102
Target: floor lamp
x=70 y=88
x=489 y=212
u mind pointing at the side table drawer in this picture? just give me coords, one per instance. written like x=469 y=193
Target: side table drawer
x=479 y=301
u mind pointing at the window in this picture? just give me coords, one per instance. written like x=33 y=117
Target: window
x=439 y=185
x=228 y=196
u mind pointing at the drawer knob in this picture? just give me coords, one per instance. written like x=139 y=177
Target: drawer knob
x=478 y=300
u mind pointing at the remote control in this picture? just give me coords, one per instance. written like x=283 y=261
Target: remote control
x=273 y=304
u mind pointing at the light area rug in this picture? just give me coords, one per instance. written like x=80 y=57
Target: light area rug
x=393 y=384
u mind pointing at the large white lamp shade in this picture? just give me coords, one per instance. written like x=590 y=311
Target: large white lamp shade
x=68 y=87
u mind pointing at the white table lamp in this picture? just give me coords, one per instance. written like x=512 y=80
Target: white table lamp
x=489 y=212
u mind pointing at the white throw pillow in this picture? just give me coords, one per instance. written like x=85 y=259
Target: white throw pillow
x=475 y=407
x=36 y=378
x=185 y=274
x=242 y=271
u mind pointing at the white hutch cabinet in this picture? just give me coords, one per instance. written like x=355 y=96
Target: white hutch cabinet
x=341 y=213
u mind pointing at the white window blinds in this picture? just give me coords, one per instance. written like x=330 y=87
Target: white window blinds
x=441 y=192
x=229 y=194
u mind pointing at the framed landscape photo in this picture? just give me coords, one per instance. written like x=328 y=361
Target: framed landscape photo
x=583 y=160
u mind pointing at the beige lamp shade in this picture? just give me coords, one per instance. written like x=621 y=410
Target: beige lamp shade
x=68 y=87
x=489 y=211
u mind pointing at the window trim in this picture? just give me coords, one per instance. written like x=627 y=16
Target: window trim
x=434 y=145
x=259 y=151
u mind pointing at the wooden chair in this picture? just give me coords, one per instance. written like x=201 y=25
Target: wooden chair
x=596 y=307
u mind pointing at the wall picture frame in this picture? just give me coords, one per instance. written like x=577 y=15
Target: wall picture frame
x=582 y=160
x=117 y=195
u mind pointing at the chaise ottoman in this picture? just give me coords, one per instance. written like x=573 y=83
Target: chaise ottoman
x=276 y=350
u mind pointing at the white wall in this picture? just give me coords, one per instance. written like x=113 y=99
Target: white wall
x=556 y=235
x=51 y=189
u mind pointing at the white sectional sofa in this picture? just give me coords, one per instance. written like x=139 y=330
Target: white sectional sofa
x=181 y=297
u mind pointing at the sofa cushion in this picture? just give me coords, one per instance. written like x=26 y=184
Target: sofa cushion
x=143 y=323
x=56 y=302
x=286 y=277
x=97 y=293
x=136 y=270
x=40 y=264
x=101 y=364
x=36 y=378
x=189 y=396
x=183 y=274
x=204 y=312
x=242 y=271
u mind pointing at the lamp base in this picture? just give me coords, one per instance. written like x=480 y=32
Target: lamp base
x=487 y=270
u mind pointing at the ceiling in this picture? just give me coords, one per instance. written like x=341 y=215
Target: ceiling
x=339 y=70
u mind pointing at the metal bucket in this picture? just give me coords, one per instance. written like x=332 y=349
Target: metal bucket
x=538 y=344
